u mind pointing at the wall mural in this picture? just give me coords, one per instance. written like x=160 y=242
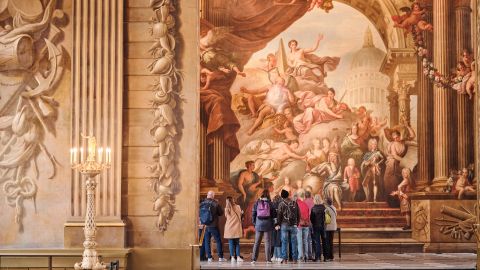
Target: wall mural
x=30 y=67
x=311 y=99
x=164 y=182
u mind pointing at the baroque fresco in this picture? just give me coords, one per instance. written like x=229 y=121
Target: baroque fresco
x=303 y=95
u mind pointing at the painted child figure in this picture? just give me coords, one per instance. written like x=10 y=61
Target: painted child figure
x=405 y=186
x=287 y=130
x=462 y=184
x=351 y=175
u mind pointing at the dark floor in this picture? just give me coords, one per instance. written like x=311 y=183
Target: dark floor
x=456 y=261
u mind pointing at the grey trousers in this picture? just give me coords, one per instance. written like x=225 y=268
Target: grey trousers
x=258 y=241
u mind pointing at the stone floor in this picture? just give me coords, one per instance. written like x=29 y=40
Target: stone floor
x=456 y=261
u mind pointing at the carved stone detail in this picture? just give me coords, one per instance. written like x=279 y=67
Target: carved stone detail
x=458 y=223
x=164 y=182
x=31 y=65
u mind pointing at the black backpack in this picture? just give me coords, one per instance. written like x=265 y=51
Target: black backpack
x=206 y=212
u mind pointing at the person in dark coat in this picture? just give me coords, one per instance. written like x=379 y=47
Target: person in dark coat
x=276 y=238
x=262 y=217
x=317 y=217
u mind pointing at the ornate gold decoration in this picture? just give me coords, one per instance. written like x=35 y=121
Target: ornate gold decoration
x=30 y=67
x=164 y=182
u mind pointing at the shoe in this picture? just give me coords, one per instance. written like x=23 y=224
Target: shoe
x=269 y=261
x=210 y=259
x=253 y=262
x=283 y=261
x=239 y=259
x=279 y=259
x=233 y=260
x=295 y=261
x=274 y=258
x=222 y=259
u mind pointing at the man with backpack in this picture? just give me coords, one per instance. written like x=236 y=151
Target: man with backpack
x=303 y=229
x=210 y=211
x=288 y=217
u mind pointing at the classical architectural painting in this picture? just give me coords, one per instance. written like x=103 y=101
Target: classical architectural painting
x=326 y=97
x=31 y=66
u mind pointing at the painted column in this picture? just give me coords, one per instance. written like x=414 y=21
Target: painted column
x=393 y=100
x=464 y=115
x=97 y=102
x=425 y=112
x=442 y=108
x=404 y=101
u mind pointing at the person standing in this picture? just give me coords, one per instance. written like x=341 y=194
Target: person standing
x=233 y=228
x=262 y=217
x=276 y=235
x=317 y=217
x=330 y=229
x=210 y=211
x=303 y=229
x=309 y=201
x=288 y=217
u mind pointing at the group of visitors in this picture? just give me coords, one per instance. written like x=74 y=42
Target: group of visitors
x=294 y=228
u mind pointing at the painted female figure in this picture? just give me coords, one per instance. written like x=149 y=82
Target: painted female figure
x=309 y=66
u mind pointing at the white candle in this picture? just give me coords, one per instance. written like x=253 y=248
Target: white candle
x=100 y=155
x=81 y=155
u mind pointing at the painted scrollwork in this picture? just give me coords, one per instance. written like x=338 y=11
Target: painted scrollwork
x=164 y=182
x=30 y=67
x=459 y=223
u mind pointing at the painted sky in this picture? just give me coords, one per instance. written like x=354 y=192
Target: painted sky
x=343 y=28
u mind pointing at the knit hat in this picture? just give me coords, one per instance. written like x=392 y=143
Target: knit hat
x=284 y=194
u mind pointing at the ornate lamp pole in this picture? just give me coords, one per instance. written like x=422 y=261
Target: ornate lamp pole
x=90 y=168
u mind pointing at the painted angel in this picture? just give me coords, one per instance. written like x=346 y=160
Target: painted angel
x=412 y=17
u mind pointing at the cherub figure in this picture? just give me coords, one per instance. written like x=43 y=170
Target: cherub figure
x=287 y=130
x=412 y=17
x=462 y=184
x=215 y=62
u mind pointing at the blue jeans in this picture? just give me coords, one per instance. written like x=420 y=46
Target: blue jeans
x=277 y=252
x=234 y=246
x=285 y=229
x=202 y=247
x=213 y=231
x=302 y=241
x=319 y=233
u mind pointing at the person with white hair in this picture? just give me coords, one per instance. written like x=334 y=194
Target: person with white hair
x=210 y=211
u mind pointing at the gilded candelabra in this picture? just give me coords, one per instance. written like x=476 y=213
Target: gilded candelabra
x=95 y=162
